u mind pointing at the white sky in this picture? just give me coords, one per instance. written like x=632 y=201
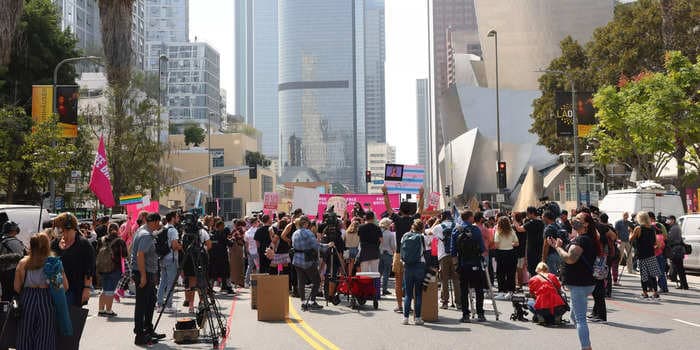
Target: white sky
x=211 y=21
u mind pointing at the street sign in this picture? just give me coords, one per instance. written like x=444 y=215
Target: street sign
x=75 y=174
x=59 y=203
x=70 y=188
x=500 y=198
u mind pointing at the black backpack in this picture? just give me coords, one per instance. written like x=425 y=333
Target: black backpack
x=447 y=236
x=162 y=246
x=467 y=246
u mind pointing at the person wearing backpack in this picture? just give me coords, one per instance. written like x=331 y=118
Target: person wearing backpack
x=111 y=251
x=468 y=243
x=11 y=251
x=447 y=262
x=167 y=247
x=412 y=247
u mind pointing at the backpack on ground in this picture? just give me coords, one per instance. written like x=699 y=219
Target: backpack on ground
x=412 y=247
x=447 y=237
x=162 y=246
x=104 y=262
x=467 y=246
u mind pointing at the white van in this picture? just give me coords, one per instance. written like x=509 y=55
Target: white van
x=690 y=226
x=26 y=217
x=643 y=198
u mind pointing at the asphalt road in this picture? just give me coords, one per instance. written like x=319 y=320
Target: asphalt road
x=673 y=322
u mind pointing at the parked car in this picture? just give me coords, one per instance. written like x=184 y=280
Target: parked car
x=26 y=217
x=690 y=226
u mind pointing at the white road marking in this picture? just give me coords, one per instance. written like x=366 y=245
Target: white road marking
x=688 y=323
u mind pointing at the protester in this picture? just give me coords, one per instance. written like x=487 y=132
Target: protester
x=413 y=259
x=564 y=222
x=576 y=273
x=169 y=264
x=195 y=281
x=622 y=227
x=661 y=235
x=387 y=249
x=37 y=324
x=447 y=262
x=236 y=253
x=306 y=250
x=78 y=258
x=535 y=240
x=548 y=306
x=517 y=219
x=352 y=244
x=675 y=241
x=402 y=224
x=549 y=256
x=488 y=234
x=469 y=245
x=263 y=239
x=506 y=240
x=370 y=240
x=11 y=251
x=219 y=265
x=112 y=250
x=251 y=249
x=144 y=261
x=645 y=237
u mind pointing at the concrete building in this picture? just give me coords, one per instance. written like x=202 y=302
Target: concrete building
x=193 y=86
x=83 y=19
x=378 y=154
x=256 y=62
x=422 y=113
x=167 y=21
x=374 y=58
x=232 y=188
x=322 y=89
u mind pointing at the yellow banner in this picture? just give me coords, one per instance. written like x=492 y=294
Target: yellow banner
x=42 y=102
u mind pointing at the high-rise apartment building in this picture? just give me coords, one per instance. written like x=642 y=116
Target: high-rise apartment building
x=257 y=69
x=322 y=89
x=378 y=154
x=374 y=57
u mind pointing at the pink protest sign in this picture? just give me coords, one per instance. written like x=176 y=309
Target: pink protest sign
x=271 y=200
x=134 y=209
x=376 y=202
x=433 y=200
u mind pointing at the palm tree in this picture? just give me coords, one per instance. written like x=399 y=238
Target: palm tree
x=10 y=13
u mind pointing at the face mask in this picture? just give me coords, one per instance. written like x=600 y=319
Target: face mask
x=57 y=231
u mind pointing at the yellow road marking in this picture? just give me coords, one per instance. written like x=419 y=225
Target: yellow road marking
x=308 y=329
x=303 y=335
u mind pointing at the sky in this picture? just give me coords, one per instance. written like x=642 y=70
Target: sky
x=212 y=21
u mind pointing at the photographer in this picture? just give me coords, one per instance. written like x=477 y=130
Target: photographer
x=11 y=251
x=306 y=249
x=469 y=246
x=331 y=232
x=548 y=306
x=196 y=243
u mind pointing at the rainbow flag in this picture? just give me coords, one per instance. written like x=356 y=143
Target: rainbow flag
x=130 y=199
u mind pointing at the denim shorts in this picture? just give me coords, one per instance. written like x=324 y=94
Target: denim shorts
x=109 y=281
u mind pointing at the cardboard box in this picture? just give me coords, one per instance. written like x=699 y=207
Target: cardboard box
x=429 y=307
x=254 y=289
x=272 y=297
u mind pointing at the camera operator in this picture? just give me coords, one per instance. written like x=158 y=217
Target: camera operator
x=331 y=232
x=548 y=306
x=11 y=251
x=196 y=243
x=469 y=247
x=306 y=250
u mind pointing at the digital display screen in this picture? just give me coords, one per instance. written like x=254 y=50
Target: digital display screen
x=393 y=172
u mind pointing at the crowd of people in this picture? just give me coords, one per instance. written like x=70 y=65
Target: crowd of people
x=541 y=249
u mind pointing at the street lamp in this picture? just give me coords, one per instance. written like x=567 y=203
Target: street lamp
x=52 y=181
x=574 y=121
x=493 y=34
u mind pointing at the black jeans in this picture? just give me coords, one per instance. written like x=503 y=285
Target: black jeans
x=145 y=304
x=506 y=262
x=679 y=270
x=471 y=277
x=311 y=275
x=7 y=280
x=599 y=308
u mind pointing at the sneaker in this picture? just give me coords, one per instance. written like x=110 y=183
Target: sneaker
x=156 y=336
x=508 y=296
x=595 y=319
x=444 y=306
x=315 y=306
x=386 y=292
x=500 y=296
x=398 y=310
x=418 y=321
x=102 y=313
x=481 y=318
x=142 y=341
x=110 y=313
x=465 y=319
x=405 y=321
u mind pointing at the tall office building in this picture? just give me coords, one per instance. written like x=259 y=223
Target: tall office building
x=257 y=69
x=167 y=21
x=322 y=88
x=378 y=154
x=374 y=57
x=422 y=113
x=83 y=19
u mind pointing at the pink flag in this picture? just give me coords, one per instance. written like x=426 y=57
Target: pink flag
x=100 y=184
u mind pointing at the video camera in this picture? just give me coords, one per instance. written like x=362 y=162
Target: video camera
x=331 y=224
x=551 y=206
x=519 y=307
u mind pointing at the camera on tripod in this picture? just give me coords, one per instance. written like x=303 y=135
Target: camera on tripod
x=519 y=307
x=331 y=222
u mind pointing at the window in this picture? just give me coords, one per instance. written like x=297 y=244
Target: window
x=217 y=157
x=267 y=183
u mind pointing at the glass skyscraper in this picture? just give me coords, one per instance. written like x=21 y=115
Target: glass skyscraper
x=322 y=88
x=374 y=57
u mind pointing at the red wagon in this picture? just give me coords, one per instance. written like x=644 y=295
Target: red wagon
x=358 y=289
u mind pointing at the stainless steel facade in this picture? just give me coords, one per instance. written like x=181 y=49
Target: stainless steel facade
x=321 y=88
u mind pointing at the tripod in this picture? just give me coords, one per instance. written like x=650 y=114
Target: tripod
x=209 y=309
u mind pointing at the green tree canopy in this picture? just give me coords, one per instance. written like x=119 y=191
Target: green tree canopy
x=256 y=158
x=194 y=135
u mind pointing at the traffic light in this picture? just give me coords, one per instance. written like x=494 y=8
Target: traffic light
x=501 y=175
x=447 y=191
x=368 y=176
x=253 y=172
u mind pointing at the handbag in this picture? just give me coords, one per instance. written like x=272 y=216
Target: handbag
x=566 y=306
x=599 y=268
x=688 y=248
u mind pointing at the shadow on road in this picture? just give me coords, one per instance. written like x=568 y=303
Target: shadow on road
x=437 y=327
x=639 y=328
x=504 y=325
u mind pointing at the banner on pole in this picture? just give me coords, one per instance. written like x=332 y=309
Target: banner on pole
x=100 y=183
x=585 y=113
x=42 y=102
x=344 y=202
x=67 y=109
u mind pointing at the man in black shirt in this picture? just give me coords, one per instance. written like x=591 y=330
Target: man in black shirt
x=402 y=224
x=263 y=239
x=535 y=239
x=370 y=239
x=564 y=222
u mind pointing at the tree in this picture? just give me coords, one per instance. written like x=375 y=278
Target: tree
x=39 y=46
x=194 y=135
x=256 y=158
x=115 y=26
x=647 y=118
x=14 y=126
x=10 y=13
